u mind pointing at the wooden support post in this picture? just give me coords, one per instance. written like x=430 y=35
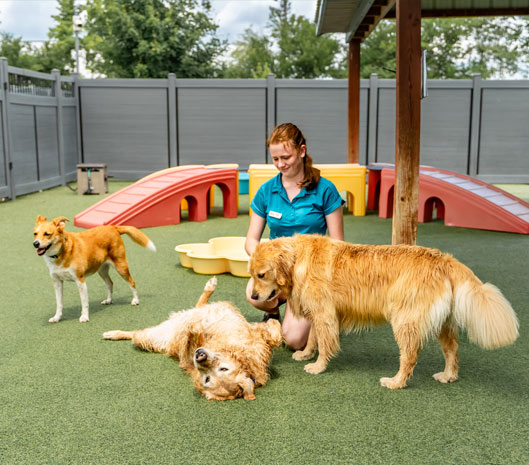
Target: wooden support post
x=408 y=124
x=353 y=102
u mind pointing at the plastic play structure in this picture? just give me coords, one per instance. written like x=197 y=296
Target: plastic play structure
x=460 y=200
x=156 y=200
x=218 y=255
x=348 y=177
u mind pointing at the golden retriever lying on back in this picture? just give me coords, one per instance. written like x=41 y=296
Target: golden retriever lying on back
x=420 y=291
x=226 y=356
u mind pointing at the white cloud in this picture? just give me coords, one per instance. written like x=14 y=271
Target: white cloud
x=29 y=19
x=235 y=16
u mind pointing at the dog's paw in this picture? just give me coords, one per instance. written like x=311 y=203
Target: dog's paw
x=314 y=368
x=211 y=284
x=135 y=301
x=111 y=335
x=83 y=319
x=300 y=355
x=106 y=302
x=54 y=319
x=390 y=383
x=442 y=377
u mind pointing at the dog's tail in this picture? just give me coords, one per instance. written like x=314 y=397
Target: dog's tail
x=137 y=236
x=484 y=312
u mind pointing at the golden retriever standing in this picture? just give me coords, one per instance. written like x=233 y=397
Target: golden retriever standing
x=226 y=356
x=73 y=256
x=420 y=291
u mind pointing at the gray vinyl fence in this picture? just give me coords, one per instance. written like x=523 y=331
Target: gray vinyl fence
x=38 y=131
x=138 y=126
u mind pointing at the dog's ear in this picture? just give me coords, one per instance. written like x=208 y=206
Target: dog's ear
x=193 y=338
x=40 y=219
x=284 y=259
x=60 y=222
x=284 y=265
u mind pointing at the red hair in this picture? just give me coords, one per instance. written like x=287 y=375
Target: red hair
x=288 y=133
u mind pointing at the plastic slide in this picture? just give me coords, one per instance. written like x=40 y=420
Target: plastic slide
x=458 y=199
x=156 y=199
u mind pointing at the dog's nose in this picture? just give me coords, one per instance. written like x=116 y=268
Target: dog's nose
x=200 y=355
x=36 y=244
x=255 y=296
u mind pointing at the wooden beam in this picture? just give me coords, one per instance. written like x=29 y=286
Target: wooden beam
x=353 y=102
x=469 y=12
x=408 y=122
x=376 y=13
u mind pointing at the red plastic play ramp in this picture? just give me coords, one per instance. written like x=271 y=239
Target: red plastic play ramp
x=156 y=199
x=461 y=200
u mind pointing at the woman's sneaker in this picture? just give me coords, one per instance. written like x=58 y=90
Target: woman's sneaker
x=271 y=316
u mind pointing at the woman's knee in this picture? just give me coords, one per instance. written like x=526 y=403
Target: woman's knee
x=295 y=338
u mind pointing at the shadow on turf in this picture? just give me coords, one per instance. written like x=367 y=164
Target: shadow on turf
x=73 y=312
x=483 y=371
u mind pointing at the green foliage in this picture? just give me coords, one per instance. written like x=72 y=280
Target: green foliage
x=16 y=51
x=456 y=48
x=151 y=38
x=252 y=57
x=289 y=49
x=378 y=52
x=57 y=52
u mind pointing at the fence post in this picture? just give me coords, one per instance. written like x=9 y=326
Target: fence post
x=475 y=127
x=77 y=97
x=372 y=120
x=8 y=163
x=172 y=111
x=270 y=108
x=60 y=129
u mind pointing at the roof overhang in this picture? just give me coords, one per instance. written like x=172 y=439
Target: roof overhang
x=357 y=18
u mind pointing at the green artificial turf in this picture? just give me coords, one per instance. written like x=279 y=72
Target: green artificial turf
x=69 y=397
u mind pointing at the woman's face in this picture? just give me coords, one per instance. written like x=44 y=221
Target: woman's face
x=287 y=159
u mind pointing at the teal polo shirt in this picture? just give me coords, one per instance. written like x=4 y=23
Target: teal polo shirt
x=304 y=215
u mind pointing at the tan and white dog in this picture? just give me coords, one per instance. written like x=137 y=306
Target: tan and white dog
x=421 y=292
x=226 y=356
x=73 y=256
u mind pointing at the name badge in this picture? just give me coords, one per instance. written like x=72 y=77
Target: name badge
x=275 y=214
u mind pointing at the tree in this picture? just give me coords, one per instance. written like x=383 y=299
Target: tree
x=57 y=51
x=456 y=47
x=290 y=50
x=378 y=52
x=252 y=57
x=16 y=51
x=460 y=47
x=151 y=38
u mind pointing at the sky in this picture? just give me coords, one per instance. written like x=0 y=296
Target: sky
x=31 y=19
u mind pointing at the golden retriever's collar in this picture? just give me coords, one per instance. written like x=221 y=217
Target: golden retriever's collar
x=58 y=253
